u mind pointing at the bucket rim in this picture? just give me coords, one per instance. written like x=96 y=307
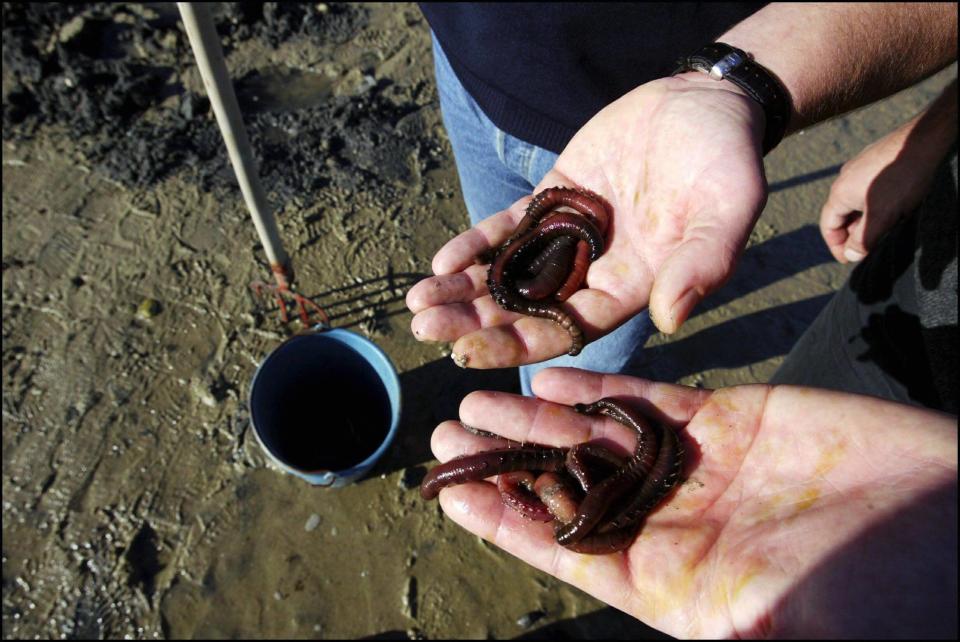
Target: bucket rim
x=370 y=353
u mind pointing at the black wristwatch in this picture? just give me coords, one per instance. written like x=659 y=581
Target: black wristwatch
x=723 y=62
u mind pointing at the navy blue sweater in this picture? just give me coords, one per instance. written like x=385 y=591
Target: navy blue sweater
x=540 y=71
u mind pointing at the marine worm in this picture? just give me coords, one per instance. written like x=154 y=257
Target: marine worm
x=578 y=272
x=517 y=490
x=501 y=278
x=550 y=270
x=601 y=497
x=618 y=492
x=583 y=201
x=558 y=497
x=660 y=480
x=605 y=543
x=590 y=462
x=618 y=533
x=533 y=266
x=487 y=464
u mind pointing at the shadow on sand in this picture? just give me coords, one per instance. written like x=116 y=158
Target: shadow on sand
x=753 y=337
x=604 y=624
x=432 y=392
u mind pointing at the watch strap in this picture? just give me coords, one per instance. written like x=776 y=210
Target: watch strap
x=723 y=62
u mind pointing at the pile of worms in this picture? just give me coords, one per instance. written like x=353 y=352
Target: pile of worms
x=546 y=258
x=596 y=498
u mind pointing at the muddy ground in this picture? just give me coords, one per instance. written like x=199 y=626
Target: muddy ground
x=136 y=502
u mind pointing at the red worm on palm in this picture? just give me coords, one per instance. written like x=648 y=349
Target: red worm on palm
x=596 y=498
x=546 y=258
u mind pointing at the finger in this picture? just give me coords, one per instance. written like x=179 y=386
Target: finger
x=452 y=321
x=450 y=440
x=696 y=267
x=835 y=220
x=854 y=248
x=479 y=509
x=530 y=420
x=526 y=340
x=529 y=339
x=459 y=287
x=462 y=250
x=867 y=230
x=671 y=403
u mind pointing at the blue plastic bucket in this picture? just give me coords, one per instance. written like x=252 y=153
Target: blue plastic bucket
x=325 y=405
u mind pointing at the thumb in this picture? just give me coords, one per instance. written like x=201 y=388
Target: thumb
x=866 y=232
x=835 y=221
x=694 y=269
x=855 y=247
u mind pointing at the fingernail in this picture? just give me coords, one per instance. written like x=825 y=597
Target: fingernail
x=852 y=255
x=682 y=307
x=656 y=319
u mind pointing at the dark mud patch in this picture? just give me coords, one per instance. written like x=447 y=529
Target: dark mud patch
x=98 y=69
x=277 y=22
x=93 y=68
x=300 y=151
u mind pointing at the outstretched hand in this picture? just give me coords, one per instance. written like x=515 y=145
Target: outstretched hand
x=678 y=162
x=803 y=512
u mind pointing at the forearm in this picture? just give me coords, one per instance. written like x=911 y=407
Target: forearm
x=922 y=142
x=934 y=130
x=836 y=57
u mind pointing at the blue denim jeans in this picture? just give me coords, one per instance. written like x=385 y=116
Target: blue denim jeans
x=495 y=171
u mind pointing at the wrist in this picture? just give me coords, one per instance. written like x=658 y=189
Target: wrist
x=710 y=83
x=700 y=81
x=720 y=62
x=937 y=125
x=927 y=137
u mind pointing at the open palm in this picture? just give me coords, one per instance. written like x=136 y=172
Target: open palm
x=802 y=511
x=678 y=163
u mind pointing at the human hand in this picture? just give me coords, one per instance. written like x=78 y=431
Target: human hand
x=678 y=162
x=803 y=512
x=887 y=180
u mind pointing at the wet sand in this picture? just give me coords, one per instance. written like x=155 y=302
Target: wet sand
x=136 y=502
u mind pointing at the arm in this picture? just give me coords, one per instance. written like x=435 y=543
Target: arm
x=888 y=179
x=679 y=162
x=836 y=57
